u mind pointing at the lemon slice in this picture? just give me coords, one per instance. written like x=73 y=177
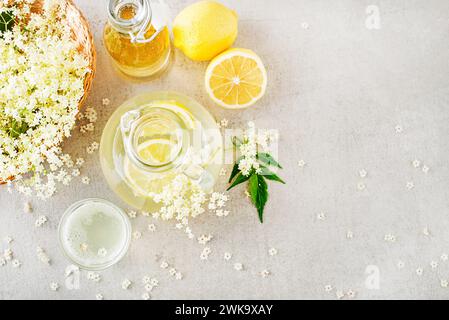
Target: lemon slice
x=143 y=184
x=158 y=152
x=236 y=79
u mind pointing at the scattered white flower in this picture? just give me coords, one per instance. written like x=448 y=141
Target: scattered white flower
x=102 y=252
x=273 y=252
x=54 y=286
x=363 y=173
x=419 y=271
x=41 y=221
x=95 y=277
x=361 y=186
x=328 y=288
x=349 y=234
x=172 y=271
x=84 y=247
x=390 y=238
x=154 y=282
x=224 y=123
x=425 y=169
x=132 y=214
x=398 y=129
x=434 y=264
x=126 y=284
x=400 y=264
x=227 y=256
x=42 y=256
x=444 y=283
x=444 y=257
x=99 y=296
x=27 y=208
x=204 y=239
x=178 y=276
x=105 y=102
x=351 y=294
x=146 y=296
x=146 y=214
x=426 y=231
x=80 y=162
x=305 y=25
x=16 y=263
x=9 y=239
x=164 y=265
x=2 y=262
x=149 y=287
x=223 y=172
x=90 y=115
x=301 y=163
x=265 y=273
x=85 y=180
x=410 y=185
x=416 y=163
x=152 y=227
x=340 y=294
x=321 y=216
x=8 y=254
x=137 y=235
x=238 y=266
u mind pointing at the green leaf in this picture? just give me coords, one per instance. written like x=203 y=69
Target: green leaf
x=268 y=160
x=258 y=189
x=18 y=128
x=269 y=175
x=239 y=180
x=6 y=21
x=235 y=171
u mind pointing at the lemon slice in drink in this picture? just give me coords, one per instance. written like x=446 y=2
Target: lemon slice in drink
x=236 y=79
x=157 y=152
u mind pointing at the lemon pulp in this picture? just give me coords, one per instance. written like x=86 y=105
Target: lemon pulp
x=236 y=79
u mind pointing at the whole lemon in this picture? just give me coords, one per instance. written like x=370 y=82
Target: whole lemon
x=205 y=29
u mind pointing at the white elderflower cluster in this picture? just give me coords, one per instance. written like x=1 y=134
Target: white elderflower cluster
x=41 y=83
x=254 y=141
x=181 y=199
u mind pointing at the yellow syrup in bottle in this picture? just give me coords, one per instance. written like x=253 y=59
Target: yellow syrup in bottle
x=138 y=47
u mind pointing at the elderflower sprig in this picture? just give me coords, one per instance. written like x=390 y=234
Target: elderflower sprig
x=255 y=165
x=41 y=83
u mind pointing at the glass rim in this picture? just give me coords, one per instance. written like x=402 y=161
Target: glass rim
x=103 y=266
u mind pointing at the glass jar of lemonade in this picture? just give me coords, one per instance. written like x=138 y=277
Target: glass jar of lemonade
x=137 y=36
x=153 y=138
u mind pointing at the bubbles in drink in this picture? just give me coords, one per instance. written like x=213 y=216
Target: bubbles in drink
x=94 y=234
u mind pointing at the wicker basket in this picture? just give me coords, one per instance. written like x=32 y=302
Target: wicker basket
x=82 y=35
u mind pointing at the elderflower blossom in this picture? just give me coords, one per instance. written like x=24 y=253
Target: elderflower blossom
x=41 y=83
x=254 y=141
x=181 y=199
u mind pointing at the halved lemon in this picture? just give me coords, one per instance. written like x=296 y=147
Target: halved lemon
x=236 y=79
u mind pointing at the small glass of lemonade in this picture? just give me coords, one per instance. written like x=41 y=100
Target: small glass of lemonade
x=94 y=234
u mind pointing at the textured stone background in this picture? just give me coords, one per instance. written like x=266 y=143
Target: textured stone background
x=337 y=90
